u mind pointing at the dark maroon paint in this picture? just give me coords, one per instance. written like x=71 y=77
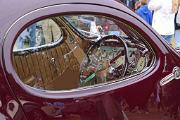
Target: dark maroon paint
x=100 y=103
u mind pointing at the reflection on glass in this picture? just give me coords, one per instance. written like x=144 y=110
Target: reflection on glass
x=94 y=26
x=38 y=34
x=103 y=63
x=85 y=25
x=78 y=61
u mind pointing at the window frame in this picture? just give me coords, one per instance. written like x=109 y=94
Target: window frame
x=65 y=10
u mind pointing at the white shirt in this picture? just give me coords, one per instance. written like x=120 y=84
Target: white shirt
x=163 y=17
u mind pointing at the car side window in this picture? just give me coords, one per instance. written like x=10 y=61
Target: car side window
x=74 y=51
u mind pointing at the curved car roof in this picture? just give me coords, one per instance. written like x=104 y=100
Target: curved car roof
x=13 y=9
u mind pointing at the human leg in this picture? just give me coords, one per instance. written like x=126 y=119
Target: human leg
x=168 y=38
x=177 y=38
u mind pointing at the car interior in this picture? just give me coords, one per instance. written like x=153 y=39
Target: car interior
x=68 y=55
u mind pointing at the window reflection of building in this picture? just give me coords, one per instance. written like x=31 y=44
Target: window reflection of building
x=50 y=30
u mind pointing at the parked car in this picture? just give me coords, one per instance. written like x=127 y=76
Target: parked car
x=69 y=75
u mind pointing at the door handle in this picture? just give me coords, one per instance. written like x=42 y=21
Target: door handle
x=175 y=75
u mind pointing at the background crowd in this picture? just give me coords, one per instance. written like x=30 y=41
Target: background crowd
x=162 y=15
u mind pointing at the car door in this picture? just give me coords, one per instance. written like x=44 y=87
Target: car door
x=10 y=108
x=81 y=87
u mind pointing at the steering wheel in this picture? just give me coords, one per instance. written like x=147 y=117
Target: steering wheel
x=108 y=57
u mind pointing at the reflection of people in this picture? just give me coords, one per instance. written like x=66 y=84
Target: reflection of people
x=129 y=3
x=40 y=40
x=21 y=39
x=29 y=35
x=177 y=26
x=144 y=12
x=32 y=34
x=163 y=17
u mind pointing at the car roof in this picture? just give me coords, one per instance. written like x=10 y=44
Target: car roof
x=13 y=9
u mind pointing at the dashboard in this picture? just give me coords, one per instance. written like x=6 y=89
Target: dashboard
x=112 y=58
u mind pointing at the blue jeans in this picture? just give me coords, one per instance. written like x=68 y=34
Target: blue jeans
x=168 y=38
x=177 y=38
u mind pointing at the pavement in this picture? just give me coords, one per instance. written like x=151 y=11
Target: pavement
x=153 y=114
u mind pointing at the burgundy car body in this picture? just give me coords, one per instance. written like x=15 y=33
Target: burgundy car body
x=18 y=102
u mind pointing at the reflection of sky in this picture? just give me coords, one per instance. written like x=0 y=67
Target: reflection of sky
x=117 y=33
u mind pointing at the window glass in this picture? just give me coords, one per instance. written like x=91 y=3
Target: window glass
x=70 y=57
x=86 y=25
x=38 y=34
x=93 y=26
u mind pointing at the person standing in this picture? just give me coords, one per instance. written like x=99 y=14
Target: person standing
x=144 y=12
x=22 y=38
x=129 y=3
x=177 y=28
x=32 y=33
x=163 y=17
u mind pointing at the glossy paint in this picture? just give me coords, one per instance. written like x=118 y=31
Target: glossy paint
x=20 y=102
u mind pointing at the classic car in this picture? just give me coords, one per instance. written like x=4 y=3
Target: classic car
x=60 y=62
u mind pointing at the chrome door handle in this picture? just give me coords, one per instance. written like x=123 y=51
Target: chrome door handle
x=175 y=75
